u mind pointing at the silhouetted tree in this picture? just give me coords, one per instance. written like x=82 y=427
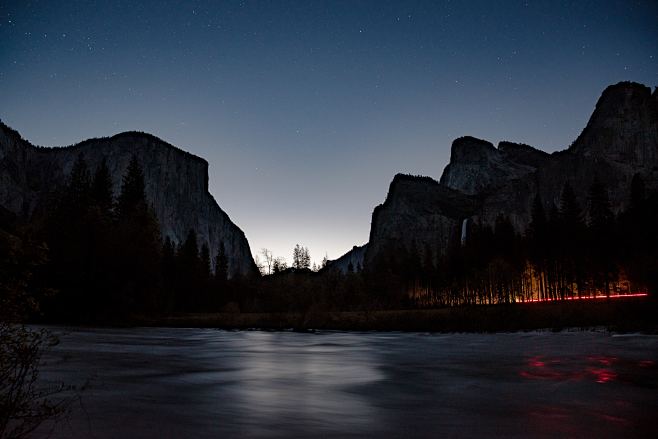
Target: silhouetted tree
x=133 y=196
x=301 y=258
x=79 y=184
x=539 y=244
x=279 y=265
x=602 y=257
x=538 y=223
x=638 y=238
x=600 y=214
x=137 y=244
x=638 y=192
x=69 y=236
x=221 y=264
x=571 y=233
x=204 y=260
x=169 y=274
x=189 y=269
x=268 y=260
x=100 y=220
x=101 y=188
x=571 y=214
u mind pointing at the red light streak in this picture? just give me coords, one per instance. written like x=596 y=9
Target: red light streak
x=597 y=297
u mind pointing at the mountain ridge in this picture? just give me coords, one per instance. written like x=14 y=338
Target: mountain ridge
x=619 y=140
x=176 y=185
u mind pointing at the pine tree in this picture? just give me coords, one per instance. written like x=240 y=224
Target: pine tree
x=305 y=258
x=570 y=267
x=188 y=283
x=220 y=280
x=221 y=264
x=189 y=251
x=601 y=236
x=538 y=221
x=100 y=223
x=600 y=214
x=168 y=253
x=138 y=243
x=204 y=261
x=504 y=236
x=68 y=236
x=133 y=196
x=301 y=258
x=297 y=257
x=279 y=265
x=169 y=273
x=570 y=212
x=638 y=193
x=79 y=184
x=101 y=187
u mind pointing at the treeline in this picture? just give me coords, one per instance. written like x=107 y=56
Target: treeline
x=301 y=260
x=105 y=257
x=568 y=251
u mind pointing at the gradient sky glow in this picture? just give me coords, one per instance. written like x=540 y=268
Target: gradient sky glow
x=305 y=110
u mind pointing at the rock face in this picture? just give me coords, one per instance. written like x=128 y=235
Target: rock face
x=355 y=257
x=623 y=128
x=418 y=213
x=476 y=166
x=482 y=182
x=176 y=184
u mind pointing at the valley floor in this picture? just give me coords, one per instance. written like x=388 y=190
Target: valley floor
x=628 y=314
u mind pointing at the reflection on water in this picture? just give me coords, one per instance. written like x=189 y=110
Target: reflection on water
x=149 y=382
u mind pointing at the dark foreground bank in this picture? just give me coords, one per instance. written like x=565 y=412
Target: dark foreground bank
x=622 y=314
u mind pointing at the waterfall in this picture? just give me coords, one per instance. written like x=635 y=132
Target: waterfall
x=464 y=231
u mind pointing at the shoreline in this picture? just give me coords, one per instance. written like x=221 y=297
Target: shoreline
x=629 y=315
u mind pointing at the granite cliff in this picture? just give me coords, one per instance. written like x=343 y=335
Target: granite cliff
x=482 y=181
x=477 y=167
x=355 y=257
x=176 y=185
x=418 y=213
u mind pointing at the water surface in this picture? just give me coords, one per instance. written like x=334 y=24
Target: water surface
x=160 y=383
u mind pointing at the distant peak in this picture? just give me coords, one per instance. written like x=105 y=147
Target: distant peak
x=623 y=125
x=625 y=87
x=470 y=149
x=618 y=97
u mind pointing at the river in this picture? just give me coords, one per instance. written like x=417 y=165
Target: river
x=161 y=383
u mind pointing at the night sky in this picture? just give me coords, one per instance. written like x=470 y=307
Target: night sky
x=306 y=110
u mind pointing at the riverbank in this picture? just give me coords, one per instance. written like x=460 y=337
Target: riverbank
x=624 y=315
